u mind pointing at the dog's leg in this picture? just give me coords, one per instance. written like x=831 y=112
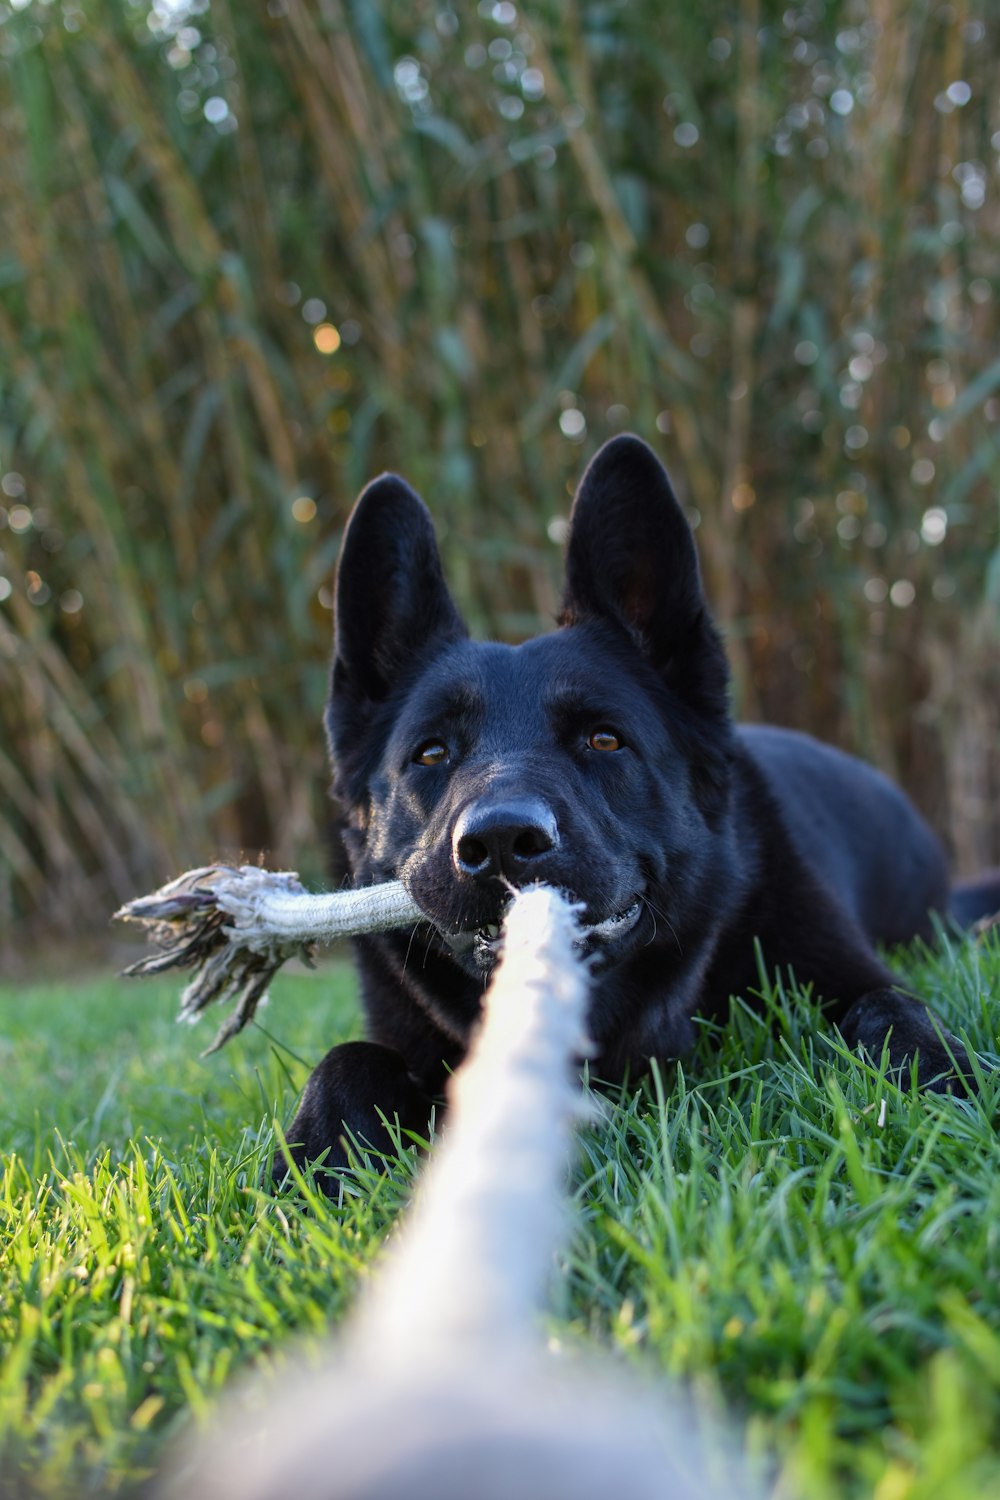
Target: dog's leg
x=911 y=1030
x=812 y=934
x=871 y=1009
x=344 y=1097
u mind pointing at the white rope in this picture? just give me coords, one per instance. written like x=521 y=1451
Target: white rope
x=271 y=909
x=234 y=926
x=441 y=1389
x=502 y=1162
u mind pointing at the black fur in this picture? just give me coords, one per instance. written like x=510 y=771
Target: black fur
x=466 y=768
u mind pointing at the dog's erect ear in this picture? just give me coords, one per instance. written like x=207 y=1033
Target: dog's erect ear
x=632 y=560
x=391 y=601
x=631 y=554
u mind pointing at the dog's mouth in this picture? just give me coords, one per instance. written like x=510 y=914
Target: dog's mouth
x=485 y=942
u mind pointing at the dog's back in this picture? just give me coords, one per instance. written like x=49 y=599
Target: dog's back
x=856 y=831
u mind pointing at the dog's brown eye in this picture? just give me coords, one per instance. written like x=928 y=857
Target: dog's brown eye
x=604 y=739
x=433 y=753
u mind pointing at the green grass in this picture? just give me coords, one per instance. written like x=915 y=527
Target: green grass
x=755 y=1223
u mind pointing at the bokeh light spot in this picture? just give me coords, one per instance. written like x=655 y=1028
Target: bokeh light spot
x=326 y=338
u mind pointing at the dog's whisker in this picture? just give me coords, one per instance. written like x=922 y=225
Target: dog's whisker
x=658 y=911
x=409 y=946
x=431 y=935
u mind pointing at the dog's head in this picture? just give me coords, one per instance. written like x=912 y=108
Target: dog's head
x=595 y=759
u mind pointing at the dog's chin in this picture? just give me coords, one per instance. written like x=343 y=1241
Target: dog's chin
x=604 y=943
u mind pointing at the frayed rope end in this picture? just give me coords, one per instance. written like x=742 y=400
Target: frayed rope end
x=235 y=925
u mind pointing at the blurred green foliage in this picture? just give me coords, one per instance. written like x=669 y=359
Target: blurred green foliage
x=251 y=256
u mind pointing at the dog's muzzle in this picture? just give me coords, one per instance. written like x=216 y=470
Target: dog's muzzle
x=486 y=941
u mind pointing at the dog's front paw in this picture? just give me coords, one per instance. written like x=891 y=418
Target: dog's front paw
x=913 y=1033
x=354 y=1091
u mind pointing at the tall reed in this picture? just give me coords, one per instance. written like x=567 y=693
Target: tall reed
x=250 y=256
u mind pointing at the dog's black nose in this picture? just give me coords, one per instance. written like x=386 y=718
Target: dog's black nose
x=503 y=838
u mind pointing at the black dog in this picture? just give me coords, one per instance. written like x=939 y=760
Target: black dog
x=600 y=759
